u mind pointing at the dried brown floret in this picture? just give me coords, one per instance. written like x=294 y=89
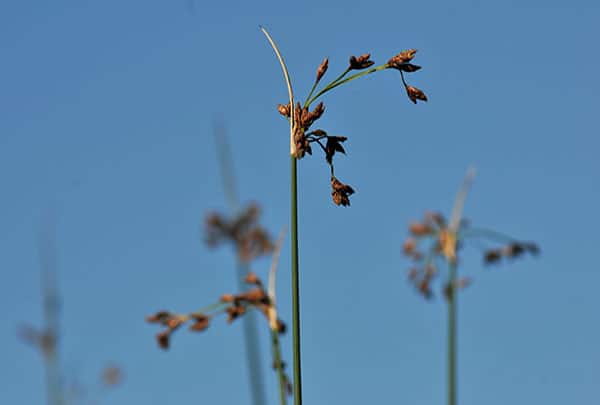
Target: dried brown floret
x=415 y=94
x=402 y=58
x=420 y=229
x=322 y=69
x=252 y=278
x=425 y=289
x=360 y=62
x=201 y=322
x=162 y=338
x=284 y=109
x=227 y=298
x=334 y=144
x=492 y=256
x=341 y=192
x=407 y=67
x=159 y=317
x=234 y=312
x=410 y=246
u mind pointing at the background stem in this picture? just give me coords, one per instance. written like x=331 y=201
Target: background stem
x=452 y=298
x=251 y=338
x=295 y=283
x=279 y=367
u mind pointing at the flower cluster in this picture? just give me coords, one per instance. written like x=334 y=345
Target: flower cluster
x=401 y=62
x=304 y=117
x=249 y=238
x=234 y=305
x=444 y=244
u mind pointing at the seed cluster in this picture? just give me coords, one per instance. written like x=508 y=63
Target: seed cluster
x=304 y=137
x=250 y=239
x=443 y=247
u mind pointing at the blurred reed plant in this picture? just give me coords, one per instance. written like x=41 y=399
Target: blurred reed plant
x=235 y=306
x=443 y=241
x=303 y=136
x=240 y=229
x=46 y=340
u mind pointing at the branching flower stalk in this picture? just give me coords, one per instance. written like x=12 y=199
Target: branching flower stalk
x=445 y=240
x=301 y=118
x=234 y=306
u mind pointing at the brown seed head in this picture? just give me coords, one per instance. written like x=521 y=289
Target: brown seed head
x=200 y=324
x=334 y=144
x=401 y=58
x=340 y=192
x=407 y=67
x=492 y=256
x=420 y=229
x=284 y=109
x=174 y=322
x=159 y=317
x=424 y=288
x=415 y=94
x=234 y=312
x=162 y=339
x=254 y=296
x=322 y=69
x=409 y=247
x=252 y=278
x=281 y=327
x=361 y=62
x=227 y=298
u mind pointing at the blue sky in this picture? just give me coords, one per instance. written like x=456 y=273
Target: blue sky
x=107 y=114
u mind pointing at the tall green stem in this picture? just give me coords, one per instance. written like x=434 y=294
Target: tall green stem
x=295 y=283
x=452 y=298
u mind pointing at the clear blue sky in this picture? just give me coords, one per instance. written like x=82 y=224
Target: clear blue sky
x=106 y=118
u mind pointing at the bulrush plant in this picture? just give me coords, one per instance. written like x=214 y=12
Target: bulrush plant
x=444 y=240
x=235 y=306
x=303 y=136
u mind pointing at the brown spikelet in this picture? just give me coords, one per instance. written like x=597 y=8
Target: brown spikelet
x=360 y=62
x=284 y=109
x=401 y=58
x=415 y=94
x=322 y=69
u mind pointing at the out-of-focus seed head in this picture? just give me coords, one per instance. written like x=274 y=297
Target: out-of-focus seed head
x=162 y=338
x=227 y=298
x=201 y=323
x=420 y=229
x=492 y=256
x=252 y=278
x=159 y=317
x=410 y=246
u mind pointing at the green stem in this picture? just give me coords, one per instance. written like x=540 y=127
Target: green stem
x=336 y=83
x=344 y=73
x=295 y=283
x=251 y=341
x=278 y=364
x=452 y=298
